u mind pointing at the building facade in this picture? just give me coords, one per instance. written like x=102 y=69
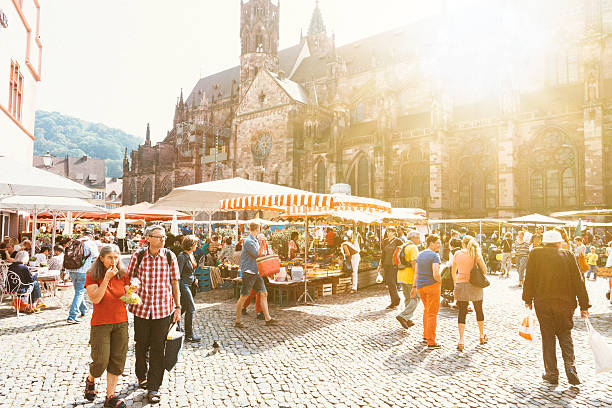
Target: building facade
x=20 y=72
x=510 y=121
x=83 y=170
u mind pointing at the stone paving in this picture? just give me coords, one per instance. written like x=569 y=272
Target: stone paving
x=345 y=351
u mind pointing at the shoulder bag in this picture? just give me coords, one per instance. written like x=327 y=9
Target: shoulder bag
x=268 y=264
x=477 y=278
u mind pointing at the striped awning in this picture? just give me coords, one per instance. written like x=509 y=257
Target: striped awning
x=304 y=203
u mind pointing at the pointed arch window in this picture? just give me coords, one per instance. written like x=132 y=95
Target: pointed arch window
x=359 y=177
x=569 y=188
x=147 y=191
x=491 y=191
x=321 y=178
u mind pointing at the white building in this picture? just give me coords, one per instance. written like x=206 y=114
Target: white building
x=20 y=68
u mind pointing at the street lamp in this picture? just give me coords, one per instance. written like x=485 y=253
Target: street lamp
x=48 y=160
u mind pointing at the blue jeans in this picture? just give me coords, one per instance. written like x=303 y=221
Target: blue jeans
x=188 y=307
x=592 y=270
x=410 y=304
x=78 y=302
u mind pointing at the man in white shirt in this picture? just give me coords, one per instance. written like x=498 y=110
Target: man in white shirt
x=56 y=263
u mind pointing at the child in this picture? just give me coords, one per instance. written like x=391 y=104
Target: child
x=592 y=261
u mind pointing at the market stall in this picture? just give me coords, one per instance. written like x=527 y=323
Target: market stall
x=309 y=205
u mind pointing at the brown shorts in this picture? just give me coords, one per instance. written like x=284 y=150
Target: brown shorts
x=109 y=346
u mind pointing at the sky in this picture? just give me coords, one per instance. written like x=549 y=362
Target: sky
x=123 y=63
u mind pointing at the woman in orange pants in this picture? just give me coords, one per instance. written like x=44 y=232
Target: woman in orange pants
x=427 y=282
x=258 y=308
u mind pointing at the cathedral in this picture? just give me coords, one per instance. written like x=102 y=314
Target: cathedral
x=512 y=121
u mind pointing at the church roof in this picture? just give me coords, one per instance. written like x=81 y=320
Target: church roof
x=293 y=89
x=287 y=59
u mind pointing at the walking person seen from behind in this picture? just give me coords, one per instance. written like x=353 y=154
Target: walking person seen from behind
x=106 y=283
x=79 y=255
x=427 y=283
x=506 y=261
x=157 y=269
x=465 y=292
x=521 y=248
x=389 y=245
x=252 y=248
x=405 y=277
x=187 y=264
x=552 y=284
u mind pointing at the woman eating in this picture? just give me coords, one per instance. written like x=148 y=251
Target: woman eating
x=106 y=282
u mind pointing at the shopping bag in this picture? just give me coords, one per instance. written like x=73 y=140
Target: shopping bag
x=174 y=345
x=527 y=328
x=269 y=264
x=602 y=352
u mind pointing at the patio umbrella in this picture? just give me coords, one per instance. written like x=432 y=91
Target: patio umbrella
x=20 y=179
x=174 y=229
x=36 y=204
x=144 y=211
x=537 y=219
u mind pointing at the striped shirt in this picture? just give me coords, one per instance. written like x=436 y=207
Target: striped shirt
x=521 y=248
x=155 y=289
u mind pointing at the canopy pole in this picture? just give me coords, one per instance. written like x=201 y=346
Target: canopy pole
x=34 y=234
x=53 y=233
x=193 y=222
x=306 y=296
x=237 y=228
x=209 y=225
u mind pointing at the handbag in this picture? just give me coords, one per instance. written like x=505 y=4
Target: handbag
x=347 y=267
x=602 y=354
x=582 y=263
x=269 y=264
x=174 y=345
x=477 y=278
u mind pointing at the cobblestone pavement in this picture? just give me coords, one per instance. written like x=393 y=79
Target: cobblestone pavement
x=345 y=351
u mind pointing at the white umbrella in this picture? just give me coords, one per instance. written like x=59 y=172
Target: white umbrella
x=121 y=228
x=536 y=219
x=37 y=204
x=20 y=179
x=174 y=230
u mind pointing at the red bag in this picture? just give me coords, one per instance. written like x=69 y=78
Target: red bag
x=268 y=264
x=19 y=303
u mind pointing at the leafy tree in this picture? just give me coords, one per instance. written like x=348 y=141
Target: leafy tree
x=63 y=135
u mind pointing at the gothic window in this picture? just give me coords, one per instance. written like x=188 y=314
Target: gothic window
x=464 y=194
x=491 y=191
x=359 y=177
x=553 y=168
x=259 y=41
x=147 y=191
x=132 y=199
x=477 y=186
x=165 y=187
x=321 y=178
x=415 y=177
x=357 y=113
x=478 y=189
x=568 y=66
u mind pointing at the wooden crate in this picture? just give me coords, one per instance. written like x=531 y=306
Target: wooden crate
x=603 y=271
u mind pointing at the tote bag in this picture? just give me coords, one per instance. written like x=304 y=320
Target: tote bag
x=174 y=345
x=602 y=353
x=269 y=264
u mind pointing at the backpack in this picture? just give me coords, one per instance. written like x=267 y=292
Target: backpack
x=399 y=256
x=140 y=256
x=74 y=255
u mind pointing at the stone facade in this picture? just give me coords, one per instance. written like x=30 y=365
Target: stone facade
x=382 y=115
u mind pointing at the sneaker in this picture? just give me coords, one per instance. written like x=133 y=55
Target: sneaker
x=271 y=322
x=391 y=306
x=551 y=379
x=433 y=346
x=193 y=338
x=260 y=316
x=72 y=321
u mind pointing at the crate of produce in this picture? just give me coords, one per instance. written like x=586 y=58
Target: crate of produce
x=343 y=285
x=326 y=289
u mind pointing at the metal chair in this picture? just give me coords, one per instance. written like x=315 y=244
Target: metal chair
x=3 y=276
x=15 y=289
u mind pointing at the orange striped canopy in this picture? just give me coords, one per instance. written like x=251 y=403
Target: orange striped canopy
x=305 y=203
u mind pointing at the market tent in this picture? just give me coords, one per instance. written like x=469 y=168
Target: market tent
x=35 y=204
x=406 y=215
x=563 y=214
x=206 y=196
x=18 y=179
x=538 y=219
x=144 y=211
x=471 y=222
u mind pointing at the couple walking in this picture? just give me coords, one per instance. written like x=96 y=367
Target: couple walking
x=157 y=270
x=420 y=279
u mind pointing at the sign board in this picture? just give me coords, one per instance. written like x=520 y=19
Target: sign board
x=3 y=19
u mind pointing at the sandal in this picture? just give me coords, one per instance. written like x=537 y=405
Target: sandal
x=142 y=384
x=114 y=402
x=153 y=397
x=484 y=339
x=90 y=390
x=460 y=346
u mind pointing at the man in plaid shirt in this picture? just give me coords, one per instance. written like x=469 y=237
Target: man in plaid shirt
x=161 y=305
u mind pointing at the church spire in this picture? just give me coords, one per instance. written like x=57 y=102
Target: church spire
x=316 y=22
x=148 y=138
x=181 y=98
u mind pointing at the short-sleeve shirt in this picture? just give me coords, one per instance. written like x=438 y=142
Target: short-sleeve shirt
x=592 y=258
x=425 y=262
x=248 y=258
x=111 y=308
x=155 y=289
x=406 y=275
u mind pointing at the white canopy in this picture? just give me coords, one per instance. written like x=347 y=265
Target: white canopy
x=20 y=179
x=41 y=203
x=604 y=211
x=206 y=196
x=536 y=219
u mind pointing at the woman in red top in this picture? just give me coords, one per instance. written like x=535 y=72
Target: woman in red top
x=106 y=282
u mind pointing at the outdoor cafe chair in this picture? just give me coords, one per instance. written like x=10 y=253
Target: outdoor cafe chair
x=14 y=282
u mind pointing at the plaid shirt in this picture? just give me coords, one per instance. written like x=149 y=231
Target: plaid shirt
x=155 y=289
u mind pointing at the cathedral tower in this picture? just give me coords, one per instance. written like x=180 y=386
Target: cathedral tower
x=259 y=31
x=318 y=41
